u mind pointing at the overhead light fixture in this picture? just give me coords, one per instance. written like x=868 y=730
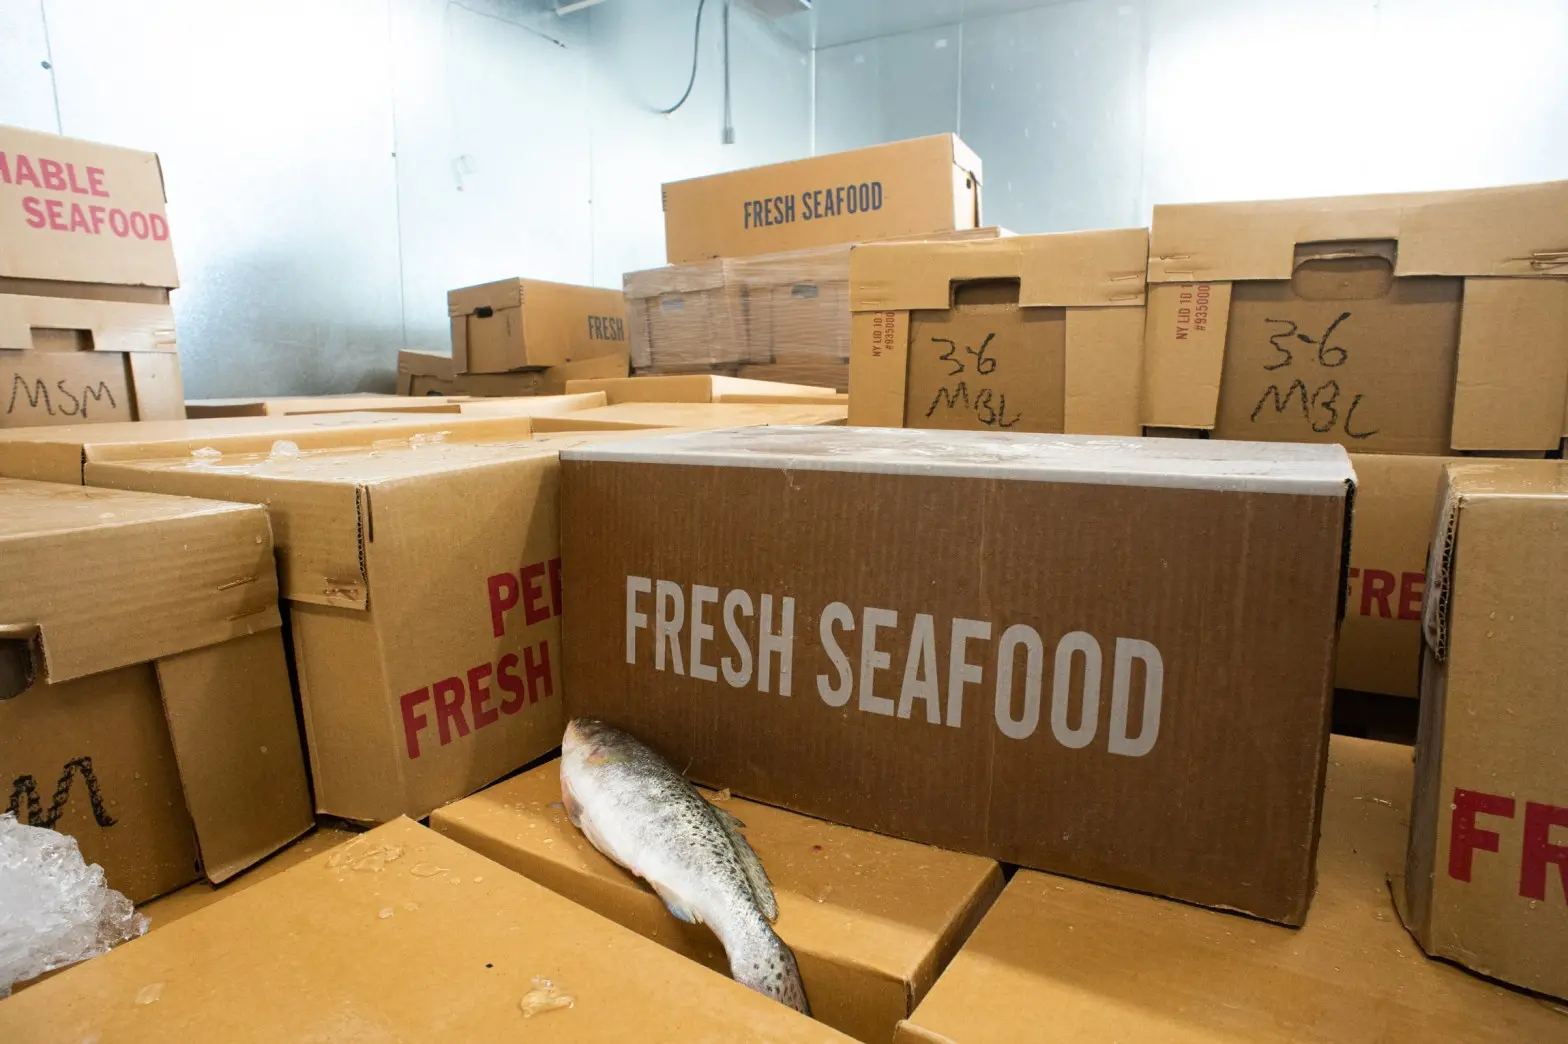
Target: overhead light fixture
x=771 y=9
x=566 y=7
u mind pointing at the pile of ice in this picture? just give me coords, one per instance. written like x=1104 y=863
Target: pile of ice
x=54 y=909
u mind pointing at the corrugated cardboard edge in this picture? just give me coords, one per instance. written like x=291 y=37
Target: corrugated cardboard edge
x=230 y=712
x=909 y=1032
x=976 y=905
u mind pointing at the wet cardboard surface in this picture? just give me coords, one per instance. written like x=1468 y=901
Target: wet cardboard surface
x=803 y=551
x=871 y=919
x=1486 y=882
x=401 y=935
x=1059 y=960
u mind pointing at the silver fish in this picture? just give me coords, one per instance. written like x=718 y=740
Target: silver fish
x=636 y=809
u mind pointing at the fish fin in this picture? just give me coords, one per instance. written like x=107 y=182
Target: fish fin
x=676 y=905
x=728 y=817
x=751 y=866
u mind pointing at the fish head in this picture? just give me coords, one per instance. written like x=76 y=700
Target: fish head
x=588 y=742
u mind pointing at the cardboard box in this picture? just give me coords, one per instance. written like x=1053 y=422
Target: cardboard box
x=1486 y=881
x=296 y=405
x=423 y=587
x=86 y=265
x=872 y=920
x=516 y=324
x=905 y=188
x=787 y=310
x=704 y=387
x=167 y=909
x=60 y=454
x=1058 y=960
x=420 y=373
x=1192 y=570
x=1027 y=333
x=1380 y=638
x=1422 y=323
x=401 y=935
x=145 y=706
x=632 y=415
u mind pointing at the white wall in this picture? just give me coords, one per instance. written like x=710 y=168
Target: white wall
x=333 y=168
x=1088 y=112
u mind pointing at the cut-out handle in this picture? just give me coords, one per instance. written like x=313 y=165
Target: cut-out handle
x=1344 y=270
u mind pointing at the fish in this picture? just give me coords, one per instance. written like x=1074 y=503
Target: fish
x=635 y=808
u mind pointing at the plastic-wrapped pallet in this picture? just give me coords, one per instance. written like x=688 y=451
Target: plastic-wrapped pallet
x=786 y=315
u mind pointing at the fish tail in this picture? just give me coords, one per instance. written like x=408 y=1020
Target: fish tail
x=765 y=963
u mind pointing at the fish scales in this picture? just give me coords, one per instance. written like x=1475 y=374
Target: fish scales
x=635 y=808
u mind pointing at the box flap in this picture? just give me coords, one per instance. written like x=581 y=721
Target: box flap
x=1519 y=230
x=1059 y=953
x=504 y=293
x=57 y=453
x=1511 y=387
x=872 y=919
x=282 y=406
x=694 y=388
x=82 y=212
x=1067 y=269
x=694 y=277
x=630 y=415
x=533 y=405
x=1467 y=482
x=106 y=579
x=111 y=326
x=321 y=501
x=425 y=364
x=966 y=159
x=230 y=710
x=1172 y=463
x=342 y=946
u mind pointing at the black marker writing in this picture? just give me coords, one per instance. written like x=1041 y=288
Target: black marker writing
x=26 y=786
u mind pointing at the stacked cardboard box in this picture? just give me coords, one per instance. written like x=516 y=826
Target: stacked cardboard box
x=1486 y=879
x=86 y=266
x=1407 y=328
x=145 y=706
x=778 y=317
x=1077 y=637
x=759 y=258
x=1027 y=333
x=425 y=374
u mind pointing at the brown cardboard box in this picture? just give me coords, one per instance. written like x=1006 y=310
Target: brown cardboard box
x=86 y=332
x=1486 y=881
x=1030 y=333
x=787 y=310
x=872 y=920
x=167 y=909
x=1380 y=637
x=905 y=188
x=421 y=373
x=1056 y=960
x=1421 y=323
x=299 y=405
x=423 y=587
x=704 y=387
x=863 y=594
x=631 y=415
x=402 y=935
x=518 y=324
x=60 y=454
x=146 y=708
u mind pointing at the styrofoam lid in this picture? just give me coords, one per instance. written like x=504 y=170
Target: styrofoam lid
x=1263 y=467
